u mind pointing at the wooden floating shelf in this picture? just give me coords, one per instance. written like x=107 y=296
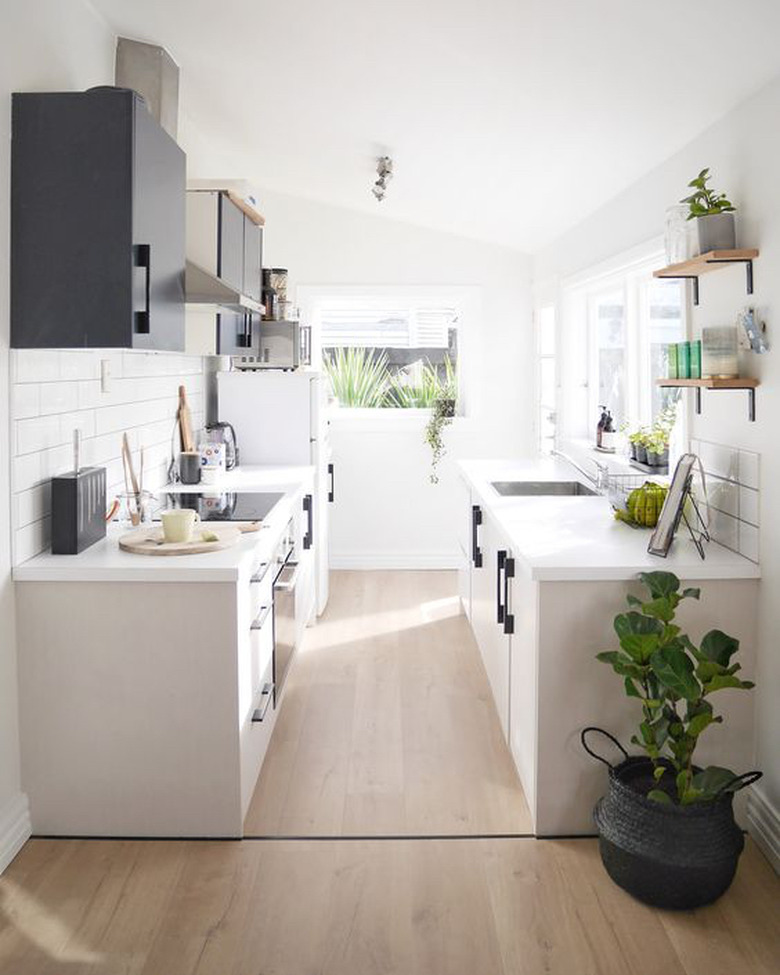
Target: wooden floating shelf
x=711 y=261
x=715 y=383
x=712 y=383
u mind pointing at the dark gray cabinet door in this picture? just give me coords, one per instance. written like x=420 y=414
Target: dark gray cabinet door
x=97 y=224
x=230 y=245
x=253 y=259
x=158 y=236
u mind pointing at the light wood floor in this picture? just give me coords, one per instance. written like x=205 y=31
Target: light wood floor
x=388 y=713
x=388 y=725
x=364 y=907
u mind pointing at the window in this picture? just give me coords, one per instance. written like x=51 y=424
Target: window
x=388 y=350
x=546 y=378
x=617 y=327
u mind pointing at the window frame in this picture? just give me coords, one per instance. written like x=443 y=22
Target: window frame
x=630 y=274
x=467 y=300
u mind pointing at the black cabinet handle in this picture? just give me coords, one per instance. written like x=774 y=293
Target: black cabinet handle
x=332 y=488
x=476 y=521
x=501 y=563
x=308 y=507
x=509 y=573
x=142 y=258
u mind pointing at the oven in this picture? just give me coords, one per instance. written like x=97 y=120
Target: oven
x=284 y=593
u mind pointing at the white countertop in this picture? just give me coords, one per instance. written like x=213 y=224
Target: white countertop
x=578 y=538
x=106 y=562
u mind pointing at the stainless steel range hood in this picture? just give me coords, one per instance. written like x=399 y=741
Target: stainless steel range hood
x=206 y=292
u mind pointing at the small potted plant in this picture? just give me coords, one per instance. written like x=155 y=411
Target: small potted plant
x=657 y=447
x=713 y=213
x=640 y=444
x=666 y=826
x=634 y=438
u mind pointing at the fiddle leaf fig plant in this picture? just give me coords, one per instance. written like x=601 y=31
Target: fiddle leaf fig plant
x=704 y=202
x=674 y=680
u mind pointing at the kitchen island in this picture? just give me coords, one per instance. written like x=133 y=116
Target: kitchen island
x=541 y=580
x=148 y=690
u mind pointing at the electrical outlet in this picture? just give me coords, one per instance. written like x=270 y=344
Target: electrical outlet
x=105 y=375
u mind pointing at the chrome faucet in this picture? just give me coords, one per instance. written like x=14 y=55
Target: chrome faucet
x=600 y=482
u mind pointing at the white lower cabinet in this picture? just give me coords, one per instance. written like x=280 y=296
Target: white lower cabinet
x=488 y=614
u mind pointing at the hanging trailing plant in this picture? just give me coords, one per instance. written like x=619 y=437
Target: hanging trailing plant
x=441 y=417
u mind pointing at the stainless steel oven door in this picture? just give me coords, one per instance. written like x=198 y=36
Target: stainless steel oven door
x=284 y=624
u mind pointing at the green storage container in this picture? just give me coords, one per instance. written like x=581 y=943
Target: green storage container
x=695 y=360
x=683 y=360
x=671 y=361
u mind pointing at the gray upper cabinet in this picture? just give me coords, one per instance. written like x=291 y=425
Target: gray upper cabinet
x=224 y=242
x=97 y=223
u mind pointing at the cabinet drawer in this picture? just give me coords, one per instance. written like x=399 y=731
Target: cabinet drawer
x=256 y=734
x=260 y=588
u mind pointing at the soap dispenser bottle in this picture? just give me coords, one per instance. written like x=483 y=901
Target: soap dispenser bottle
x=601 y=425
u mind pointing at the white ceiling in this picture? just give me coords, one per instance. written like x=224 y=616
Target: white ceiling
x=508 y=120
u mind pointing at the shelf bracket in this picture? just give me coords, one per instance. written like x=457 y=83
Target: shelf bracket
x=689 y=277
x=698 y=400
x=752 y=405
x=748 y=262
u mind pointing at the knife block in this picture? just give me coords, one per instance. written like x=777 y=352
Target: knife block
x=78 y=510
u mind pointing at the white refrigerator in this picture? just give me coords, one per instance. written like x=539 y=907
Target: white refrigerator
x=280 y=419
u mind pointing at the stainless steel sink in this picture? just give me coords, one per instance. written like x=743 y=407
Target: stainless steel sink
x=567 y=489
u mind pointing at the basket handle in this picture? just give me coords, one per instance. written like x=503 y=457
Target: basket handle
x=741 y=781
x=606 y=734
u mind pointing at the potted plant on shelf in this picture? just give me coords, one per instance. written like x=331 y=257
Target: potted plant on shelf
x=666 y=826
x=442 y=415
x=640 y=444
x=713 y=213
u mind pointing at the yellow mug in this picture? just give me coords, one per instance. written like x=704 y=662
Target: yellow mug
x=178 y=523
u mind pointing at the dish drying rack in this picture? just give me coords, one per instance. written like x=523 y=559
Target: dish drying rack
x=617 y=487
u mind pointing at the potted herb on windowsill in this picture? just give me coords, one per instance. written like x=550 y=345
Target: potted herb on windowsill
x=666 y=826
x=713 y=213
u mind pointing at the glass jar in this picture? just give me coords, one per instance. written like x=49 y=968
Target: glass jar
x=677 y=234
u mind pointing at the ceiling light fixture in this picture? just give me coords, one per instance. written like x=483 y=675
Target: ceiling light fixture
x=384 y=169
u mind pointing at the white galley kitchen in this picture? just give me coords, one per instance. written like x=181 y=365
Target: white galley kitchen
x=388 y=564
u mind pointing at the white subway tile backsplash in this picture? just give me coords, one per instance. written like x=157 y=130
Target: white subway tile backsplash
x=723 y=495
x=724 y=529
x=58 y=397
x=37 y=433
x=733 y=480
x=719 y=460
x=749 y=505
x=749 y=473
x=79 y=365
x=748 y=541
x=34 y=365
x=25 y=400
x=55 y=392
x=89 y=395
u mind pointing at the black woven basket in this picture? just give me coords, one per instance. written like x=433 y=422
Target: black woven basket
x=666 y=855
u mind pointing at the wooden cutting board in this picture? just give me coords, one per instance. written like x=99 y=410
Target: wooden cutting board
x=149 y=541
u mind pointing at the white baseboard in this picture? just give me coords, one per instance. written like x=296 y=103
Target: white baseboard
x=15 y=828
x=395 y=560
x=764 y=825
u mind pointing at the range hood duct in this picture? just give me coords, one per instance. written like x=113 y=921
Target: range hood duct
x=152 y=72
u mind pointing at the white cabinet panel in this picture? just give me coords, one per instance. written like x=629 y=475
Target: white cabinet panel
x=493 y=642
x=524 y=598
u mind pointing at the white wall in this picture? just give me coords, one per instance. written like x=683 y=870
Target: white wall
x=44 y=44
x=387 y=512
x=743 y=152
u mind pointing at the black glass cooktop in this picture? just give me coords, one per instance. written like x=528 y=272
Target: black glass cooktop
x=227 y=506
